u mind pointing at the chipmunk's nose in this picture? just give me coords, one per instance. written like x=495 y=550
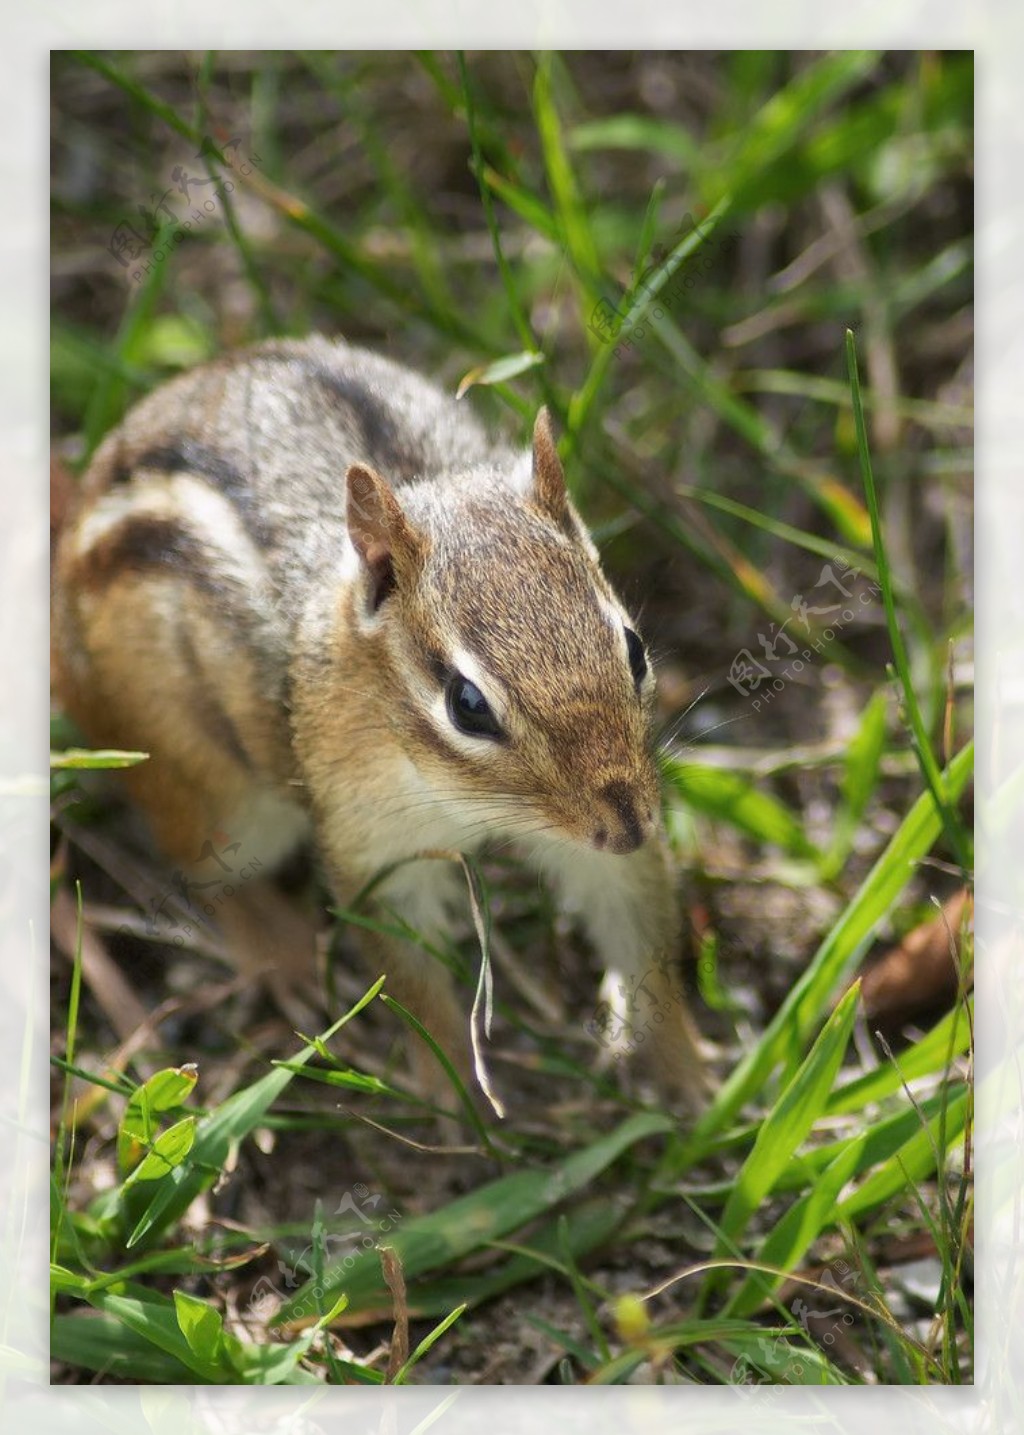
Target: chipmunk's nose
x=629 y=823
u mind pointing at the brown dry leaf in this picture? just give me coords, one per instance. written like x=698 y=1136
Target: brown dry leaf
x=922 y=971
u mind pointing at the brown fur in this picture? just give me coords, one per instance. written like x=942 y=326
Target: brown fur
x=279 y=562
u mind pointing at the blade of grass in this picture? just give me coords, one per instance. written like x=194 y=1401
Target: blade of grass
x=492 y=135
x=709 y=547
x=297 y=212
x=884 y=1136
x=522 y=202
x=793 y=1234
x=639 y=132
x=510 y=366
x=833 y=392
x=156 y=1319
x=858 y=783
x=218 y=1132
x=76 y=757
x=586 y=1358
x=950 y=1037
x=108 y=398
x=515 y=306
x=798 y=1107
x=62 y=1170
x=730 y=797
x=640 y=301
x=810 y=542
x=770 y=136
x=579 y=1288
x=572 y=217
x=661 y=1340
x=913 y=1161
x=107 y=1345
x=787 y=1032
x=472 y=1222
x=590 y=1225
x=137 y=92
x=841 y=506
x=392 y=179
x=441 y=1055
x=426 y=1343
x=922 y=746
x=76 y=350
x=254 y=273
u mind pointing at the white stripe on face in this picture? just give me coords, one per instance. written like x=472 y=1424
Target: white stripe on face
x=435 y=707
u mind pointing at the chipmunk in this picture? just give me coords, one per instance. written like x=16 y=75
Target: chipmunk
x=307 y=583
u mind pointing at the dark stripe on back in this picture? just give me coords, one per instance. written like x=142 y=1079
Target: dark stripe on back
x=206 y=708
x=383 y=441
x=145 y=541
x=187 y=455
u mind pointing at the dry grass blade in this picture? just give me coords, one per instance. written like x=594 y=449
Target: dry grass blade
x=391 y=1269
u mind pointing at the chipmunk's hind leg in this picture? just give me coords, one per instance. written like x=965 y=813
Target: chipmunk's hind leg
x=146 y=659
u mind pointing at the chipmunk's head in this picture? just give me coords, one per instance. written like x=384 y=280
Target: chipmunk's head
x=518 y=683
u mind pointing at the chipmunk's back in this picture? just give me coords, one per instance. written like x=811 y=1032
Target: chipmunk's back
x=274 y=428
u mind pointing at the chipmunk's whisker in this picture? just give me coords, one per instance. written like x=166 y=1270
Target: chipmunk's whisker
x=698 y=738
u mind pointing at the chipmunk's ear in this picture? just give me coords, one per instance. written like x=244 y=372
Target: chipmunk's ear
x=388 y=545
x=548 y=482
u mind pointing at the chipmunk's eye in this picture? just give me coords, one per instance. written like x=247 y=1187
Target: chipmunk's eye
x=637 y=658
x=469 y=709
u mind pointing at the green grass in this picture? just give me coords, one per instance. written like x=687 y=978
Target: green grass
x=723 y=457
